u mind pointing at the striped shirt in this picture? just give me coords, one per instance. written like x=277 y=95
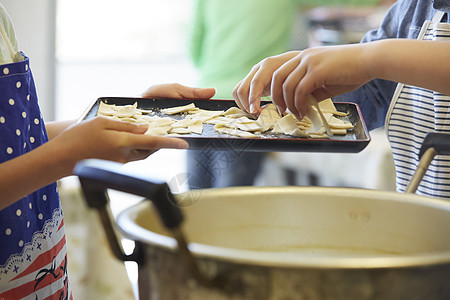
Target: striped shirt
x=413 y=113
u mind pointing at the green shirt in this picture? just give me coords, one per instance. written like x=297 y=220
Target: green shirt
x=230 y=36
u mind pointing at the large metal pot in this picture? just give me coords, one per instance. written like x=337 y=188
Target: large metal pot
x=280 y=242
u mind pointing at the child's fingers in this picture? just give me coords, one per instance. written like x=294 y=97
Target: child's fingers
x=145 y=145
x=136 y=154
x=236 y=97
x=148 y=142
x=196 y=93
x=179 y=91
x=304 y=88
x=257 y=87
x=123 y=126
x=241 y=93
x=281 y=89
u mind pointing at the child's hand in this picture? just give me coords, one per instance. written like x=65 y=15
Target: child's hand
x=111 y=140
x=324 y=72
x=176 y=90
x=256 y=84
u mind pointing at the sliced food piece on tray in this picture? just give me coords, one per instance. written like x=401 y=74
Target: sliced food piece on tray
x=196 y=127
x=251 y=127
x=221 y=125
x=106 y=109
x=205 y=115
x=217 y=120
x=337 y=131
x=184 y=123
x=233 y=131
x=235 y=112
x=178 y=109
x=268 y=117
x=246 y=124
x=287 y=124
x=339 y=123
x=243 y=120
x=299 y=133
x=311 y=115
x=127 y=119
x=327 y=106
x=157 y=131
x=319 y=135
x=180 y=130
x=127 y=112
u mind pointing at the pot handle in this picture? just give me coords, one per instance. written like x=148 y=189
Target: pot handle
x=439 y=141
x=433 y=144
x=96 y=176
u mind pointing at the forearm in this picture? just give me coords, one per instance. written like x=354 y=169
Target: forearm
x=100 y=138
x=36 y=169
x=56 y=127
x=30 y=172
x=418 y=63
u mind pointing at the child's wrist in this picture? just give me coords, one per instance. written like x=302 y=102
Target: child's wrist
x=370 y=61
x=382 y=58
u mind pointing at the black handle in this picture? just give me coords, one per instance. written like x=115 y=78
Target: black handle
x=439 y=141
x=98 y=175
x=433 y=144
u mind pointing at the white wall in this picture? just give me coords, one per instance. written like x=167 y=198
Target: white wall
x=34 y=22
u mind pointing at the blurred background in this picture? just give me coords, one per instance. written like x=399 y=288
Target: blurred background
x=81 y=50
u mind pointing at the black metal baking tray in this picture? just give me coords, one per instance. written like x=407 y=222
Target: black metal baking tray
x=355 y=140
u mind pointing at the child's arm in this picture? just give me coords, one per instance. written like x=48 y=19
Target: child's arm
x=419 y=63
x=96 y=138
x=56 y=127
x=329 y=71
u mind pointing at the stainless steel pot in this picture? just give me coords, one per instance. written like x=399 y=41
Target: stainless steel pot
x=279 y=243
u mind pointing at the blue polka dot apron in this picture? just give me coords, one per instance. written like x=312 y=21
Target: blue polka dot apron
x=413 y=113
x=33 y=263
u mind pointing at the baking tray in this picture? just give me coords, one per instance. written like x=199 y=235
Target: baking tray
x=355 y=140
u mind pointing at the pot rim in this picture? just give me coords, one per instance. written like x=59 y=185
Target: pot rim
x=133 y=231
